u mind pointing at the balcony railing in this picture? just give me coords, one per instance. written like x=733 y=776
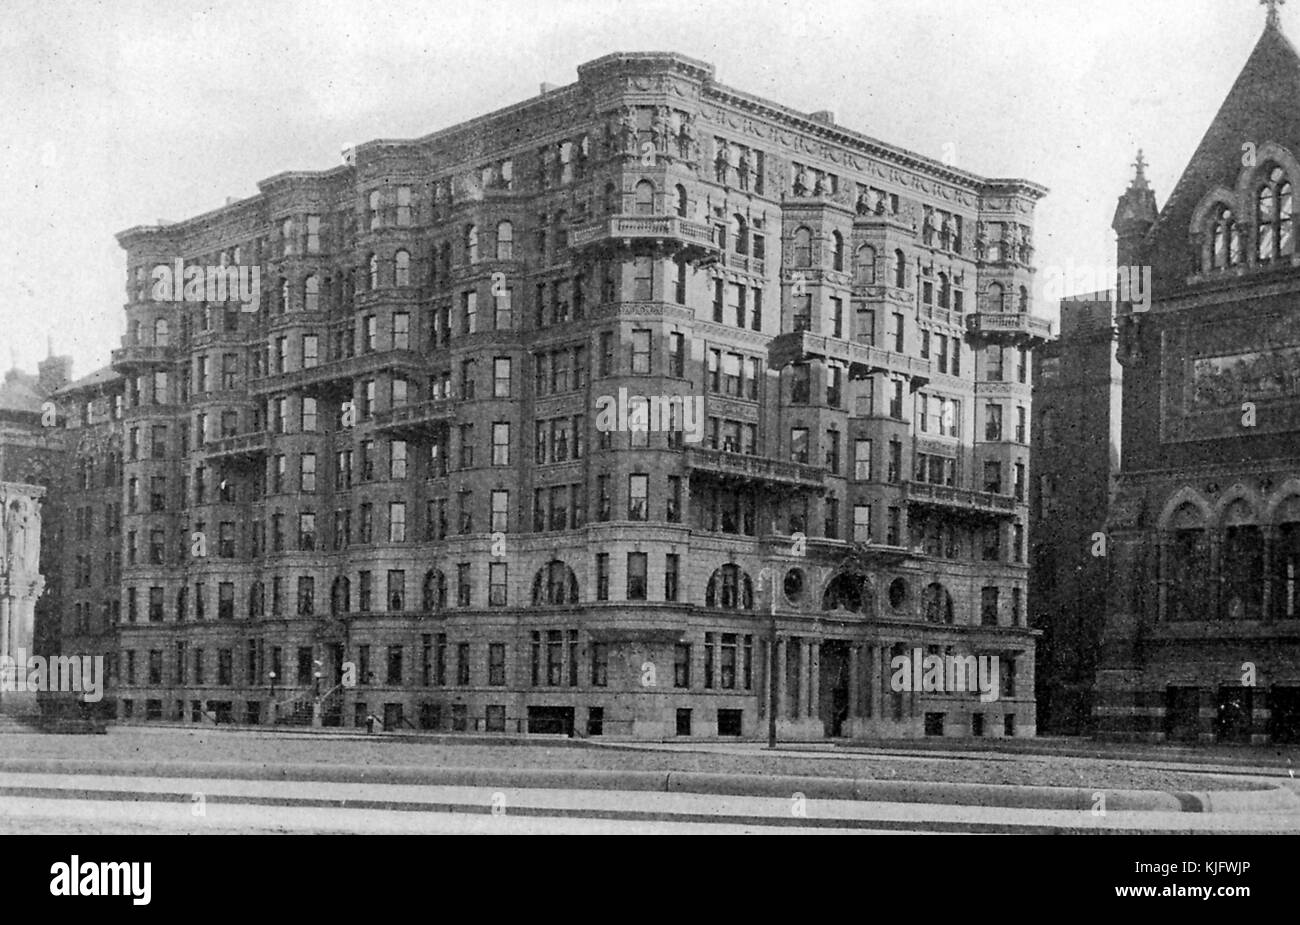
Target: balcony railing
x=623 y=230
x=416 y=419
x=336 y=375
x=977 y=502
x=861 y=359
x=238 y=447
x=739 y=466
x=1010 y=327
x=125 y=359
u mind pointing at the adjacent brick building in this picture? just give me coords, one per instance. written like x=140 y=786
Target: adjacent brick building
x=1202 y=640
x=395 y=461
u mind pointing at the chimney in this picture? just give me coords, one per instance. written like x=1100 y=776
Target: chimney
x=824 y=116
x=547 y=88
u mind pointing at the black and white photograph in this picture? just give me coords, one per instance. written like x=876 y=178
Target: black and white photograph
x=650 y=418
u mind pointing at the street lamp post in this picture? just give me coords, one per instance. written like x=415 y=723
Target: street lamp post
x=274 y=711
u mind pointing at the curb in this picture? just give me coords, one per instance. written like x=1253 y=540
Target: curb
x=1008 y=796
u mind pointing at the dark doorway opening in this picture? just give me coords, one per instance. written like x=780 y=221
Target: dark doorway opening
x=834 y=699
x=551 y=720
x=1182 y=709
x=1234 y=717
x=1284 y=708
x=729 y=722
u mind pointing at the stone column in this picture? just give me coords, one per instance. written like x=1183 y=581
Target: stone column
x=4 y=626
x=855 y=682
x=805 y=659
x=779 y=680
x=1269 y=534
x=814 y=679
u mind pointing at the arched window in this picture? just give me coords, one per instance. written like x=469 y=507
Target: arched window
x=402 y=269
x=1275 y=229
x=286 y=235
x=284 y=295
x=900 y=270
x=611 y=199
x=1023 y=301
x=802 y=247
x=372 y=270
x=845 y=592
x=997 y=298
x=311 y=294
x=645 y=198
x=341 y=595
x=375 y=203
x=1242 y=564
x=1186 y=565
x=730 y=588
x=505 y=241
x=864 y=267
x=471 y=243
x=433 y=593
x=945 y=291
x=160 y=337
x=740 y=234
x=938 y=604
x=1225 y=248
x=837 y=255
x=555 y=583
x=681 y=201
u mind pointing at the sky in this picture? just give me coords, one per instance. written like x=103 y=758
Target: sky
x=119 y=114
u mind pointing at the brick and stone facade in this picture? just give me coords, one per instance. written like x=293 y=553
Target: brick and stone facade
x=1202 y=641
x=395 y=463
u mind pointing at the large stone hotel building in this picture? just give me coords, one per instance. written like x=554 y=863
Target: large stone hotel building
x=395 y=470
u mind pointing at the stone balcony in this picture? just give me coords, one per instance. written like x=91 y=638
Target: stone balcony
x=739 y=467
x=413 y=421
x=669 y=232
x=141 y=356
x=239 y=448
x=861 y=359
x=1018 y=328
x=335 y=377
x=981 y=503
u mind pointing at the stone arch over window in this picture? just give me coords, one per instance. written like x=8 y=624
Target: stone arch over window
x=996 y=297
x=864 y=266
x=1241 y=561
x=1205 y=219
x=681 y=201
x=900 y=270
x=937 y=604
x=802 y=251
x=1187 y=507
x=849 y=591
x=1284 y=553
x=1185 y=559
x=644 y=198
x=341 y=595
x=730 y=588
x=555 y=583
x=433 y=591
x=1274 y=215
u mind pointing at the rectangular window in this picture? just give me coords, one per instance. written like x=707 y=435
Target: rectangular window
x=497 y=665
x=497 y=579
x=602 y=576
x=501 y=377
x=992 y=421
x=862 y=523
x=397 y=522
x=640 y=353
x=682 y=665
x=636 y=576
x=637 y=501
x=989 y=606
x=501 y=444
